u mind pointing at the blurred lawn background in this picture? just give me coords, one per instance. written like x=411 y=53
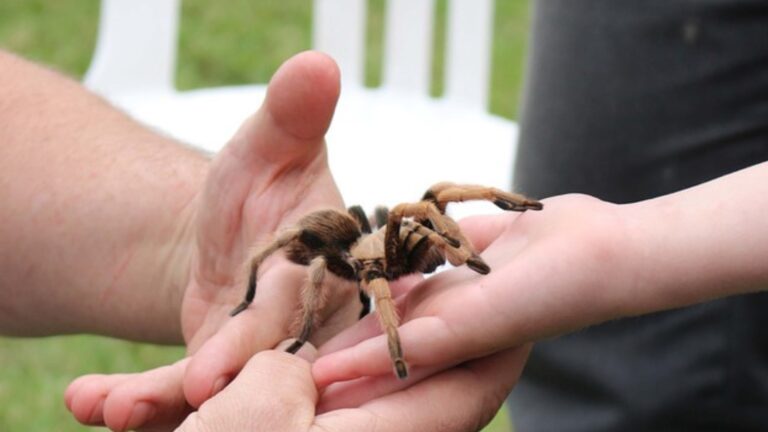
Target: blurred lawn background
x=225 y=42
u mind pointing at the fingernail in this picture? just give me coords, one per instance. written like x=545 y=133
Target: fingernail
x=219 y=384
x=142 y=412
x=308 y=352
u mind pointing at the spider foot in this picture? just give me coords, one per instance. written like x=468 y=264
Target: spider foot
x=241 y=307
x=452 y=242
x=401 y=369
x=295 y=346
x=478 y=264
x=527 y=204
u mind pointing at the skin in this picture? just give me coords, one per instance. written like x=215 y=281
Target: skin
x=112 y=229
x=71 y=167
x=578 y=262
x=275 y=392
x=251 y=176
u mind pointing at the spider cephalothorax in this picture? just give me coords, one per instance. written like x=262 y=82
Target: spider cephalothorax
x=411 y=238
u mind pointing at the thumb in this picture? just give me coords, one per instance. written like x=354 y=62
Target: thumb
x=295 y=115
x=284 y=138
x=274 y=392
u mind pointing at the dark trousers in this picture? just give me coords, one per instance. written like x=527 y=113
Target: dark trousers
x=628 y=100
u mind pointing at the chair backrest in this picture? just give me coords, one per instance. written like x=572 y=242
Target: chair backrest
x=136 y=46
x=339 y=29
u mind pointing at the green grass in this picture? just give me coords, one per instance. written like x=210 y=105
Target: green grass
x=238 y=41
x=35 y=372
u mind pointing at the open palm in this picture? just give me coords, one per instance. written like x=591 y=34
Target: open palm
x=273 y=171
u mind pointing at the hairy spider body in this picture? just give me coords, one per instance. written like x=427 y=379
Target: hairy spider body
x=411 y=238
x=327 y=233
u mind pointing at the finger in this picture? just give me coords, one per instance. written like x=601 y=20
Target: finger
x=85 y=396
x=297 y=111
x=147 y=399
x=274 y=392
x=460 y=399
x=364 y=329
x=371 y=357
x=303 y=94
x=405 y=284
x=282 y=138
x=220 y=358
x=259 y=327
x=426 y=337
x=352 y=394
x=369 y=326
x=453 y=317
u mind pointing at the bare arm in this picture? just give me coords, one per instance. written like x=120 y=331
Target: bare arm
x=702 y=243
x=95 y=213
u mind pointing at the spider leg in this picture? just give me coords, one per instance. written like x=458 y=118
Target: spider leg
x=258 y=257
x=378 y=288
x=312 y=301
x=432 y=209
x=394 y=254
x=358 y=214
x=441 y=194
x=366 y=302
x=357 y=266
x=381 y=215
x=464 y=254
x=423 y=211
x=455 y=247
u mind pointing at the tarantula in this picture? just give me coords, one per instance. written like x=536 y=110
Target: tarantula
x=411 y=238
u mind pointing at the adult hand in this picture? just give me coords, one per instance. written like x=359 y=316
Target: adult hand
x=275 y=392
x=272 y=172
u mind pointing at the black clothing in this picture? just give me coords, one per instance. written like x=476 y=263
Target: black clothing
x=628 y=100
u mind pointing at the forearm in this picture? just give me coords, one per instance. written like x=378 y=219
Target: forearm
x=699 y=244
x=96 y=213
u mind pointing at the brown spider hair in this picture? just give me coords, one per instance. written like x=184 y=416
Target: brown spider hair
x=411 y=238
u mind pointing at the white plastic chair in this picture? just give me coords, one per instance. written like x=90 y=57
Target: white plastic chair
x=386 y=145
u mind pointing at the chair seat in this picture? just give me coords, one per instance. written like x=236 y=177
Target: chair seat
x=375 y=144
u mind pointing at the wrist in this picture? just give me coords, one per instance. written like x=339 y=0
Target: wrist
x=609 y=262
x=676 y=259
x=167 y=254
x=150 y=269
x=585 y=246
x=633 y=278
x=173 y=260
x=693 y=246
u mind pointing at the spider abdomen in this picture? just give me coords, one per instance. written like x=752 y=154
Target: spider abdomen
x=327 y=233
